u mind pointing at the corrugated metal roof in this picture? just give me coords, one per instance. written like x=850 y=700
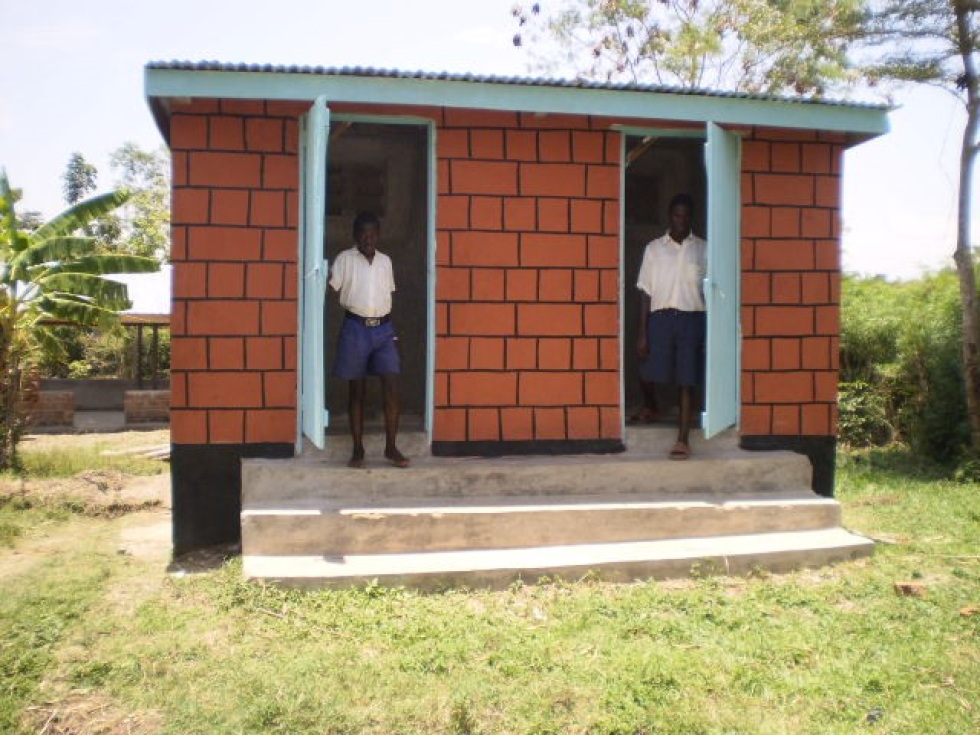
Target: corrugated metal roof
x=361 y=71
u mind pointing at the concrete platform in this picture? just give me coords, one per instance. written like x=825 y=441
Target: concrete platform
x=623 y=562
x=492 y=520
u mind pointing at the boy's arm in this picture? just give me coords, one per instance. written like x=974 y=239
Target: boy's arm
x=335 y=276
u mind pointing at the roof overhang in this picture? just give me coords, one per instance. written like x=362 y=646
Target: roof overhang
x=166 y=83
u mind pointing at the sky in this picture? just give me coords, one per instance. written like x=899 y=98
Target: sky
x=71 y=79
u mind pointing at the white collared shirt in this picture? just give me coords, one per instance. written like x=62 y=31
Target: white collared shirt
x=365 y=288
x=672 y=273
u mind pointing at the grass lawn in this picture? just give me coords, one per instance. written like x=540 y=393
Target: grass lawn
x=93 y=640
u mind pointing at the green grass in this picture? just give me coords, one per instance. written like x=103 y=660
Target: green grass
x=18 y=515
x=68 y=461
x=36 y=614
x=830 y=651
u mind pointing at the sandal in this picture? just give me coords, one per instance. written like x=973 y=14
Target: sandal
x=397 y=459
x=680 y=451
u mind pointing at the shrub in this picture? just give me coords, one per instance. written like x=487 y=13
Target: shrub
x=864 y=415
x=901 y=366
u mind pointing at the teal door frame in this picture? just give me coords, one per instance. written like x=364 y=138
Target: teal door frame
x=721 y=283
x=312 y=415
x=313 y=266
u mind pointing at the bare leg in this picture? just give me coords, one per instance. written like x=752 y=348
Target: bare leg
x=355 y=414
x=682 y=448
x=649 y=397
x=647 y=413
x=684 y=427
x=389 y=387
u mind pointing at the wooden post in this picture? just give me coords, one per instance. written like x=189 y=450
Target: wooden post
x=139 y=356
x=154 y=357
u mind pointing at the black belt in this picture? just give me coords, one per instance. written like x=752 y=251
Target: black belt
x=368 y=321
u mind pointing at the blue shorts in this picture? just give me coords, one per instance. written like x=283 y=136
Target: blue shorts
x=676 y=341
x=363 y=350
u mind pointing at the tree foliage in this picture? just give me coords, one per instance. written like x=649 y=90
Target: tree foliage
x=141 y=226
x=938 y=42
x=51 y=274
x=147 y=213
x=80 y=178
x=900 y=373
x=757 y=46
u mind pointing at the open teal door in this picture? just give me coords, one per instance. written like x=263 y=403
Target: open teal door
x=721 y=285
x=313 y=136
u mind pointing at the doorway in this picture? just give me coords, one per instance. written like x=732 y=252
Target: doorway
x=382 y=168
x=657 y=167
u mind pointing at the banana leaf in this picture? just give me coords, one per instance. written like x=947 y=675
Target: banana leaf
x=76 y=309
x=81 y=214
x=53 y=250
x=101 y=289
x=106 y=265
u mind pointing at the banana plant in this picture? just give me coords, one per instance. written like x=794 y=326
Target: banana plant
x=51 y=275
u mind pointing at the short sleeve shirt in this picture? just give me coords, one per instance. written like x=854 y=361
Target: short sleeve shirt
x=672 y=273
x=364 y=287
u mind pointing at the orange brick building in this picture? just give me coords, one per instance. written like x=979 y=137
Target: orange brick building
x=514 y=211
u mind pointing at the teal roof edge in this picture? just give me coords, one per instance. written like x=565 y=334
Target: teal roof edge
x=177 y=80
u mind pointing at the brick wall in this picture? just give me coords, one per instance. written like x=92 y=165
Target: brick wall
x=527 y=314
x=527 y=279
x=50 y=408
x=146 y=406
x=790 y=282
x=234 y=293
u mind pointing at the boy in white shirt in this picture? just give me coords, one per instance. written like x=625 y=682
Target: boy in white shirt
x=367 y=344
x=670 y=338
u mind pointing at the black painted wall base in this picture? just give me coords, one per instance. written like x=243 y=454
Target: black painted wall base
x=549 y=447
x=821 y=450
x=206 y=491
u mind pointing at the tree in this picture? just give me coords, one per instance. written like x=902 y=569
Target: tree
x=79 y=179
x=51 y=274
x=756 y=46
x=146 y=229
x=938 y=42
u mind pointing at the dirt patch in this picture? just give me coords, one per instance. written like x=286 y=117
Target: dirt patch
x=89 y=497
x=91 y=713
x=31 y=550
x=877 y=500
x=148 y=538
x=104 y=493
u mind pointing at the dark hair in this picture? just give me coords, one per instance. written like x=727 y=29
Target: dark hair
x=684 y=199
x=364 y=219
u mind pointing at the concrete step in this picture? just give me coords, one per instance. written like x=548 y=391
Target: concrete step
x=732 y=473
x=332 y=527
x=627 y=561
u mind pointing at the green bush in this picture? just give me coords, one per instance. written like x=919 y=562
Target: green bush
x=864 y=416
x=901 y=368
